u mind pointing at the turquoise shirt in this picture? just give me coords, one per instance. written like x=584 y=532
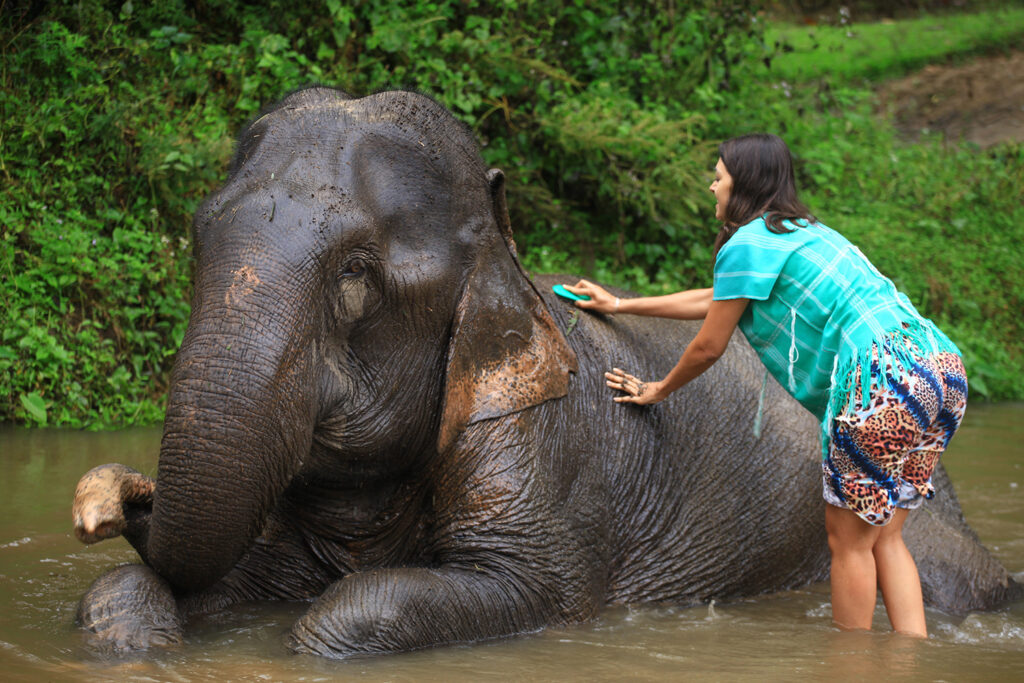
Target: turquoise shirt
x=817 y=307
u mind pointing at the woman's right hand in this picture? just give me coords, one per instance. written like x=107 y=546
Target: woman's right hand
x=600 y=300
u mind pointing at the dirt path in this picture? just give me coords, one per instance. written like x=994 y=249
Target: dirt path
x=982 y=102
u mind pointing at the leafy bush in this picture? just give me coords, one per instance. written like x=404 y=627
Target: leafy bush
x=119 y=118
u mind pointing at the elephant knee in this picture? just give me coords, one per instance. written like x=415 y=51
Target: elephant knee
x=129 y=608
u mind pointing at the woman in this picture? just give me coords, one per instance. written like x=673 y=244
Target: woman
x=887 y=385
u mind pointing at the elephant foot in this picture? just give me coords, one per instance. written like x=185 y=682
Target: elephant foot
x=316 y=633
x=98 y=509
x=129 y=608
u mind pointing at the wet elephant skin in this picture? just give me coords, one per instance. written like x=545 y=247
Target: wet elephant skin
x=375 y=409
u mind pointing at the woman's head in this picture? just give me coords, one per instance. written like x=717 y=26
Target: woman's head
x=758 y=170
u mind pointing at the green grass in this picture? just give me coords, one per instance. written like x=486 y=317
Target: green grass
x=888 y=49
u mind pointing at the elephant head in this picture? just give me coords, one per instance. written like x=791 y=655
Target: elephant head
x=358 y=302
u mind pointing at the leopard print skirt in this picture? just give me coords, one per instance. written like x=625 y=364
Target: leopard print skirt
x=882 y=457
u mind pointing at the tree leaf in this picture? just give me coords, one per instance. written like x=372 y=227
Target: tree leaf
x=35 y=405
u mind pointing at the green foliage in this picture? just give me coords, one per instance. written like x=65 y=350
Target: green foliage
x=119 y=119
x=100 y=187
x=886 y=49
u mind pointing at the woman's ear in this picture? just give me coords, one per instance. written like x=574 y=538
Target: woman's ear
x=506 y=353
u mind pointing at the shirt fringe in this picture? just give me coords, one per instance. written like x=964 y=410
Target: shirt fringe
x=897 y=348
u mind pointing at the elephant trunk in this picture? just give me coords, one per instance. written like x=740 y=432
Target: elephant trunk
x=239 y=419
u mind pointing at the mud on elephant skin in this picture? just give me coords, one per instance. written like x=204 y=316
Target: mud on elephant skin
x=375 y=409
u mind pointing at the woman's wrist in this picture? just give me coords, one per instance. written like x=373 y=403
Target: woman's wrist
x=658 y=390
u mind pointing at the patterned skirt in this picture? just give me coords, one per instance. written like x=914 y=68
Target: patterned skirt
x=882 y=456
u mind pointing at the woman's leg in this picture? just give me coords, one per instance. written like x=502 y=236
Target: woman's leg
x=898 y=579
x=853 y=578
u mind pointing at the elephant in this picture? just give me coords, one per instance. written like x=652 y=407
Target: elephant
x=377 y=410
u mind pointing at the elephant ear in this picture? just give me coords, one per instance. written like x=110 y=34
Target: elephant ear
x=506 y=353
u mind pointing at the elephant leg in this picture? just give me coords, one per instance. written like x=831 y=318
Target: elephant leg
x=958 y=574
x=507 y=562
x=279 y=566
x=130 y=608
x=394 y=610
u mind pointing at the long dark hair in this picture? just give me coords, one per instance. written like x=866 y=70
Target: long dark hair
x=763 y=184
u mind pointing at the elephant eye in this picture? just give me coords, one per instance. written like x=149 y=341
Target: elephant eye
x=355 y=268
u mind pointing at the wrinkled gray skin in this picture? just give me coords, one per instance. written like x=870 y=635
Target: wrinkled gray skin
x=374 y=409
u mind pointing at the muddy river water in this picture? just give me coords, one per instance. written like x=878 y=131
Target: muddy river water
x=785 y=636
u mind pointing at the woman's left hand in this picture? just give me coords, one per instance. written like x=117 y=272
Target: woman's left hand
x=636 y=390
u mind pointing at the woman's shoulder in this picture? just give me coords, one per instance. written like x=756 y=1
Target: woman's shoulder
x=828 y=238
x=795 y=232
x=754 y=244
x=791 y=225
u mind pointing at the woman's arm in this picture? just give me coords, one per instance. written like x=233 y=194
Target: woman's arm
x=691 y=304
x=706 y=348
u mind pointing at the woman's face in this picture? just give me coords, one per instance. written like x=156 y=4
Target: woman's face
x=722 y=188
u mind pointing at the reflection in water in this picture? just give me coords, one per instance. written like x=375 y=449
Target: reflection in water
x=44 y=571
